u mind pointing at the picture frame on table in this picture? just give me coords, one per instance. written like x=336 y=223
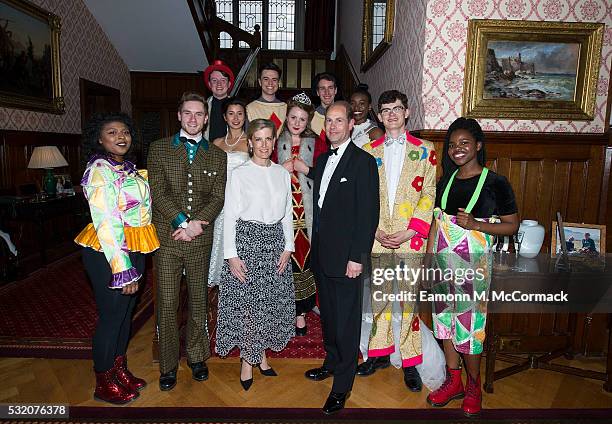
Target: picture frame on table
x=532 y=69
x=30 y=57
x=64 y=184
x=585 y=240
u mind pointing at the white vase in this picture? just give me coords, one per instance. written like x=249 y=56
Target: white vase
x=531 y=236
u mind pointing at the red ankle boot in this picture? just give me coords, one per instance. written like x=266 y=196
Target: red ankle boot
x=125 y=377
x=452 y=388
x=109 y=390
x=473 y=397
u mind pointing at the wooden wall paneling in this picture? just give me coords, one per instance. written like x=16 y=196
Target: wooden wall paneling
x=17 y=147
x=531 y=175
x=576 y=189
x=549 y=173
x=147 y=88
x=591 y=334
x=560 y=193
x=547 y=192
x=155 y=98
x=547 y=324
x=596 y=184
x=177 y=85
x=97 y=98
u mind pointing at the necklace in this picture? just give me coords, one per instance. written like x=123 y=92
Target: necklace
x=235 y=142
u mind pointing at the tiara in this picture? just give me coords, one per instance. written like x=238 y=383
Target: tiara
x=302 y=98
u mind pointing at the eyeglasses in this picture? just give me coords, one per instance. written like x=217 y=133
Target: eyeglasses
x=396 y=110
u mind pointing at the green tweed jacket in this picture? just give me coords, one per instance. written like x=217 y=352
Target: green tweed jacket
x=196 y=189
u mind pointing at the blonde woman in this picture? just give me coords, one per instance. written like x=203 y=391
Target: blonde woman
x=256 y=297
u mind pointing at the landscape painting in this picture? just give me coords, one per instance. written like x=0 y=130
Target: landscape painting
x=29 y=57
x=532 y=69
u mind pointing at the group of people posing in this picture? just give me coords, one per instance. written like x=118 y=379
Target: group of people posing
x=286 y=208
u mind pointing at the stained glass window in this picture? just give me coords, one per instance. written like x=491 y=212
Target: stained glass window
x=378 y=22
x=276 y=19
x=281 y=24
x=225 y=11
x=250 y=13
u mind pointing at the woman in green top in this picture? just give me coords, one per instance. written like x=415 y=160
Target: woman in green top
x=461 y=237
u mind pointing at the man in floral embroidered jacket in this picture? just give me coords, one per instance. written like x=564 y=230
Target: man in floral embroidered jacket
x=407 y=173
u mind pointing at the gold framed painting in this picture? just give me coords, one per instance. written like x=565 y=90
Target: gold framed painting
x=30 y=57
x=532 y=70
x=580 y=239
x=378 y=22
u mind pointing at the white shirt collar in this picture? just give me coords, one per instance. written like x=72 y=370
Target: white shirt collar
x=197 y=137
x=343 y=146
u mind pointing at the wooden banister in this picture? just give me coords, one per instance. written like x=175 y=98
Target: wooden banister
x=244 y=70
x=210 y=27
x=345 y=70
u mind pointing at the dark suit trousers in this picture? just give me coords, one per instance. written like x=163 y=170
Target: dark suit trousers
x=169 y=262
x=340 y=301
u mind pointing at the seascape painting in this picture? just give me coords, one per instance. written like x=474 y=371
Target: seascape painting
x=535 y=71
x=25 y=54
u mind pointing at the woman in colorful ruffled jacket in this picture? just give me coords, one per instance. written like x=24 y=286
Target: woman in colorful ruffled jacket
x=114 y=246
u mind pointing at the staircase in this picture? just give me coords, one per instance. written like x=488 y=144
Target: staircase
x=299 y=67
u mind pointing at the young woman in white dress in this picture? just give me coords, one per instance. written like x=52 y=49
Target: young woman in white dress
x=234 y=143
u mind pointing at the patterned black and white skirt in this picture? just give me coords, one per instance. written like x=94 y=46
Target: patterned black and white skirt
x=260 y=313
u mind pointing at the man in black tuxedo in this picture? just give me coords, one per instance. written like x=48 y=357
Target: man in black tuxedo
x=346 y=208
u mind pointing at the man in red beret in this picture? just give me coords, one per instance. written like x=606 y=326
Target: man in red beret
x=219 y=79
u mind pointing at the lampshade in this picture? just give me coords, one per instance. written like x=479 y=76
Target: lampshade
x=47 y=157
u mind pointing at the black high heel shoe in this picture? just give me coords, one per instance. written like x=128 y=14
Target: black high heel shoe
x=268 y=373
x=246 y=384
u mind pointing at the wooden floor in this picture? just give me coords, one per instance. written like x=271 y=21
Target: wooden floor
x=72 y=382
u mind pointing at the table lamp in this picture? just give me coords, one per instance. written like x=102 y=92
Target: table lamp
x=47 y=157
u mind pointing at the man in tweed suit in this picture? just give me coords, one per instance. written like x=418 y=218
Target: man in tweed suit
x=187 y=178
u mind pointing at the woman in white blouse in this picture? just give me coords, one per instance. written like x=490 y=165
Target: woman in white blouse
x=256 y=295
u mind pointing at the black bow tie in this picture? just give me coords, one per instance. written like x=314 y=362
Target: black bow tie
x=188 y=140
x=333 y=151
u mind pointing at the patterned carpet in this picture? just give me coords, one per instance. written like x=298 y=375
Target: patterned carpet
x=52 y=314
x=309 y=346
